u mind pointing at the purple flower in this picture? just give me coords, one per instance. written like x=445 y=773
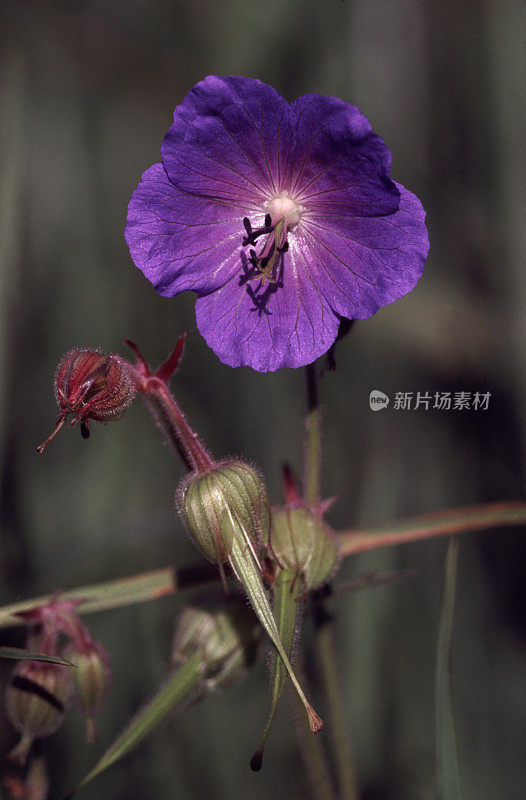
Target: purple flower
x=283 y=218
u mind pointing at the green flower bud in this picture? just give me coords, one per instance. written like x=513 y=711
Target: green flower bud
x=224 y=633
x=208 y=502
x=36 y=702
x=91 y=680
x=302 y=542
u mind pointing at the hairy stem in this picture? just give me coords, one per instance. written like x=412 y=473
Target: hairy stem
x=174 y=425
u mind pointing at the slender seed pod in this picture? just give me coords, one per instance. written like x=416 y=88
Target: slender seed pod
x=288 y=609
x=307 y=553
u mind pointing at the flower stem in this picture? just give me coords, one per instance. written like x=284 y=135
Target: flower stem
x=164 y=408
x=174 y=425
x=327 y=656
x=313 y=752
x=312 y=477
x=448 y=771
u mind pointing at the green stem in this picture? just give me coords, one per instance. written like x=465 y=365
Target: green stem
x=347 y=779
x=312 y=476
x=448 y=772
x=313 y=753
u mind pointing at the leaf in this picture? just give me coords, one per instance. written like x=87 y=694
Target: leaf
x=173 y=691
x=29 y=655
x=121 y=592
x=448 y=772
x=427 y=526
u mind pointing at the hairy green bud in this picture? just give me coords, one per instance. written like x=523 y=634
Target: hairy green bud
x=210 y=500
x=36 y=702
x=90 y=679
x=224 y=633
x=302 y=542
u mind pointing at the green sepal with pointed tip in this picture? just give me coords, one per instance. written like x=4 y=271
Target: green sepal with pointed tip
x=288 y=589
x=177 y=688
x=28 y=655
x=246 y=566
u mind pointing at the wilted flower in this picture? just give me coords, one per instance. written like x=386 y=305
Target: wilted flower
x=87 y=682
x=90 y=384
x=283 y=218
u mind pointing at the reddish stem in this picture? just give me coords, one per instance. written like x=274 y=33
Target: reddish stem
x=165 y=409
x=172 y=419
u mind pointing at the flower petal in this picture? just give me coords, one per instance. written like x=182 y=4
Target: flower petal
x=358 y=241
x=363 y=263
x=228 y=140
x=179 y=241
x=337 y=162
x=285 y=324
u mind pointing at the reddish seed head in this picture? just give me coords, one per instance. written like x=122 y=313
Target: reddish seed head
x=91 y=385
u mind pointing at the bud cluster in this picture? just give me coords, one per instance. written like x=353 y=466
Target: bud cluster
x=39 y=693
x=225 y=508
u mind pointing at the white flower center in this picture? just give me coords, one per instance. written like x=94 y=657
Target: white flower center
x=282 y=214
x=284 y=207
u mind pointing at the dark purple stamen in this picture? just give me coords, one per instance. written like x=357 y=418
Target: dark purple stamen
x=252 y=235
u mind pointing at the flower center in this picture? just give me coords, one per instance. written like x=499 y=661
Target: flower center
x=283 y=214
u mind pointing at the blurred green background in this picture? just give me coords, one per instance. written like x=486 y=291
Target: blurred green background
x=87 y=91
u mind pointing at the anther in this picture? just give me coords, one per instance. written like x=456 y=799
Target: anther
x=253 y=235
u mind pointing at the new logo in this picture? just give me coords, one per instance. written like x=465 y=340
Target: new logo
x=378 y=400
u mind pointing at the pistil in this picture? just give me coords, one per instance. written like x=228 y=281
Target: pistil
x=265 y=263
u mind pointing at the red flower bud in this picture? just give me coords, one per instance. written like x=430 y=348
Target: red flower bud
x=91 y=385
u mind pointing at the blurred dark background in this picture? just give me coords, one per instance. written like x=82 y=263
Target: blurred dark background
x=87 y=91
